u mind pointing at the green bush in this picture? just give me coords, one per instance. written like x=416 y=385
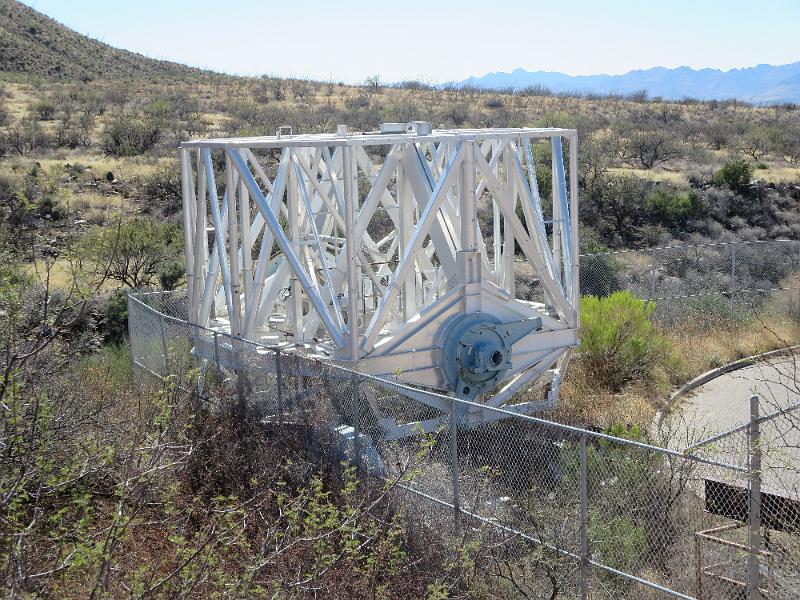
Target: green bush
x=126 y=136
x=620 y=543
x=163 y=188
x=618 y=341
x=736 y=174
x=114 y=325
x=671 y=208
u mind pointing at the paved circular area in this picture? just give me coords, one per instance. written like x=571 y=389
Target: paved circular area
x=724 y=403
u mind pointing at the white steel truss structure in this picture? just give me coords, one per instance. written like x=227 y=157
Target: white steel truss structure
x=367 y=249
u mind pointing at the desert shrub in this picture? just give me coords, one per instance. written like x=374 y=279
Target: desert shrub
x=170 y=273
x=618 y=341
x=163 y=188
x=735 y=174
x=45 y=110
x=114 y=323
x=27 y=136
x=74 y=131
x=620 y=543
x=128 y=136
x=672 y=208
x=133 y=253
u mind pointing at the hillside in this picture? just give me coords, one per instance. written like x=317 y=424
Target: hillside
x=33 y=44
x=759 y=84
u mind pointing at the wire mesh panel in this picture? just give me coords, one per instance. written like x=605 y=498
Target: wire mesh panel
x=742 y=276
x=555 y=509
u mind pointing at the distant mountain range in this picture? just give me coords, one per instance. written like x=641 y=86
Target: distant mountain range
x=763 y=84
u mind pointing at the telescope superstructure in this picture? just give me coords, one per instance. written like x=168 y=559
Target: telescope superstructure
x=401 y=253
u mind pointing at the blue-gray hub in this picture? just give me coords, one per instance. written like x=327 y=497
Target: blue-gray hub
x=476 y=351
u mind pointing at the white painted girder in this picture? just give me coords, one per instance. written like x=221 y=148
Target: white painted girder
x=282 y=242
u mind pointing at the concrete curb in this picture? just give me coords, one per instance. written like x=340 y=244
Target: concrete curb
x=719 y=371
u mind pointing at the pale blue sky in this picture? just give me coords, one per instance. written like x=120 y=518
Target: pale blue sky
x=440 y=40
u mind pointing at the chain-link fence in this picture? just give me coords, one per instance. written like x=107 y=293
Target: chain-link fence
x=697 y=278
x=557 y=511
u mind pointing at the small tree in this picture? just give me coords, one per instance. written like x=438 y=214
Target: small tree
x=651 y=148
x=757 y=141
x=736 y=174
x=618 y=341
x=126 y=136
x=790 y=146
x=136 y=252
x=373 y=82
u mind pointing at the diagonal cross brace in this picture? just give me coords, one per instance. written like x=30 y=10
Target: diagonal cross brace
x=283 y=243
x=426 y=219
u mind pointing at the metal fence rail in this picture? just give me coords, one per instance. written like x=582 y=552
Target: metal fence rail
x=595 y=516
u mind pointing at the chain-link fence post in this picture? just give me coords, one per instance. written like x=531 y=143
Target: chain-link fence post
x=165 y=369
x=698 y=568
x=754 y=504
x=279 y=384
x=241 y=377
x=652 y=274
x=454 y=463
x=356 y=428
x=584 y=520
x=733 y=273
x=216 y=353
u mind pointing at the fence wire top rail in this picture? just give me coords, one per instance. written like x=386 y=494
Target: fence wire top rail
x=647 y=251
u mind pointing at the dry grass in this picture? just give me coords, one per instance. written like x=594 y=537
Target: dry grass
x=697 y=345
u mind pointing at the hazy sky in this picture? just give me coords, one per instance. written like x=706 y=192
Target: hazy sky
x=440 y=40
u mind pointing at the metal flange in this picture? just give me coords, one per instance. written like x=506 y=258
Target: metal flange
x=476 y=351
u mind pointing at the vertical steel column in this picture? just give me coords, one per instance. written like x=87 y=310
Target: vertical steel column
x=200 y=240
x=352 y=261
x=405 y=204
x=352 y=289
x=555 y=148
x=295 y=308
x=573 y=215
x=584 y=520
x=469 y=258
x=247 y=242
x=233 y=248
x=468 y=209
x=508 y=231
x=189 y=209
x=754 y=504
x=497 y=231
